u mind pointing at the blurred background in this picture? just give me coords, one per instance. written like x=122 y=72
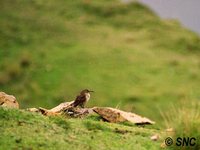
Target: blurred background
x=133 y=59
x=187 y=12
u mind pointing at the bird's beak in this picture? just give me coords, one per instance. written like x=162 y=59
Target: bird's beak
x=91 y=91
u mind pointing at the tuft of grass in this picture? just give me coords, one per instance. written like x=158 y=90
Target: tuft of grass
x=185 y=120
x=61 y=122
x=25 y=60
x=4 y=78
x=13 y=71
x=94 y=117
x=91 y=125
x=126 y=123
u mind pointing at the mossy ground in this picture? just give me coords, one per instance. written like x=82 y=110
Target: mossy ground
x=131 y=58
x=25 y=130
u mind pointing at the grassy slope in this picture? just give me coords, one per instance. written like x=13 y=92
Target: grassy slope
x=130 y=57
x=124 y=52
x=60 y=133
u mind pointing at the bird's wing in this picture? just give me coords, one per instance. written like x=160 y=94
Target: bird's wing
x=79 y=100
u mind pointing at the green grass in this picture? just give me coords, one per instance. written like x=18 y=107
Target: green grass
x=139 y=63
x=185 y=124
x=132 y=59
x=25 y=130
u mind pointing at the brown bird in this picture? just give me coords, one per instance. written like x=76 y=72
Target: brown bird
x=82 y=98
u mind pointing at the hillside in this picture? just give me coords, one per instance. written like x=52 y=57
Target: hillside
x=131 y=58
x=60 y=133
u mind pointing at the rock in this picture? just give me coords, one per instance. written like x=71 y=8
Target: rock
x=61 y=107
x=58 y=110
x=8 y=101
x=68 y=111
x=33 y=110
x=78 y=112
x=52 y=112
x=155 y=137
x=109 y=114
x=163 y=145
x=170 y=130
x=116 y=115
x=47 y=112
x=43 y=111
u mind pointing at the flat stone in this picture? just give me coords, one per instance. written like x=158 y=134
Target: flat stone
x=8 y=101
x=116 y=115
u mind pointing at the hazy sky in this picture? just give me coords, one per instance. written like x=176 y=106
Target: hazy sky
x=186 y=11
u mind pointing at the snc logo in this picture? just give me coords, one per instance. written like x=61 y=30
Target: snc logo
x=181 y=141
x=185 y=141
